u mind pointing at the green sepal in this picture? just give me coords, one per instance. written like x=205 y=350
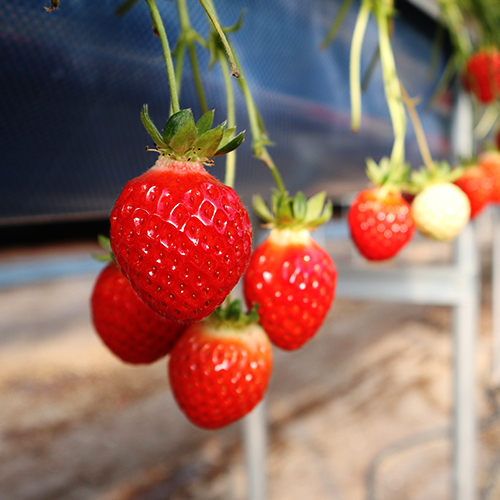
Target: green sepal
x=185 y=136
x=175 y=123
x=150 y=127
x=105 y=245
x=231 y=145
x=441 y=172
x=205 y=122
x=260 y=208
x=299 y=206
x=231 y=313
x=207 y=144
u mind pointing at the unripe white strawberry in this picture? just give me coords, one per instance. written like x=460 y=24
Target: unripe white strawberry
x=441 y=211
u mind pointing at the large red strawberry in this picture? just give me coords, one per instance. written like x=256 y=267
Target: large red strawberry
x=478 y=186
x=181 y=237
x=490 y=163
x=220 y=368
x=127 y=326
x=481 y=75
x=380 y=223
x=290 y=277
x=379 y=218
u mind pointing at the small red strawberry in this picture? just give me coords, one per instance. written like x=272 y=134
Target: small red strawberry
x=290 y=277
x=220 y=368
x=128 y=327
x=181 y=237
x=380 y=218
x=478 y=186
x=481 y=75
x=490 y=163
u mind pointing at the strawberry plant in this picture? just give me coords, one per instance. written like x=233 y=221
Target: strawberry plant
x=290 y=277
x=220 y=368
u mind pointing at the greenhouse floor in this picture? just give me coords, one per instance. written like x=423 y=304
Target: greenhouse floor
x=361 y=412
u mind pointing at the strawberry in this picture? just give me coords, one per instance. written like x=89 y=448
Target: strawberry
x=379 y=218
x=478 y=186
x=490 y=164
x=290 y=277
x=128 y=327
x=481 y=75
x=180 y=236
x=220 y=368
x=380 y=223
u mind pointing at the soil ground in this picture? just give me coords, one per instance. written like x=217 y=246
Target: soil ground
x=361 y=412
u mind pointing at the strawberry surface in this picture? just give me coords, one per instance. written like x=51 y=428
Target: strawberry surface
x=292 y=279
x=181 y=237
x=490 y=164
x=219 y=373
x=380 y=223
x=441 y=210
x=128 y=327
x=482 y=75
x=478 y=186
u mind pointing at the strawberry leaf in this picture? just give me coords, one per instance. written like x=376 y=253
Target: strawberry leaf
x=231 y=145
x=184 y=137
x=150 y=127
x=205 y=122
x=206 y=145
x=175 y=123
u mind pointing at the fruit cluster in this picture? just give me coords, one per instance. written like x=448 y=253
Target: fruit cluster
x=180 y=241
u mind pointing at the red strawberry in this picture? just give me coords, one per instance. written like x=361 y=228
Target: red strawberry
x=219 y=370
x=380 y=222
x=128 y=327
x=490 y=163
x=181 y=237
x=481 y=75
x=292 y=279
x=478 y=186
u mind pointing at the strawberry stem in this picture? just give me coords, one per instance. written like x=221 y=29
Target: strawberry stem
x=156 y=17
x=355 y=63
x=419 y=130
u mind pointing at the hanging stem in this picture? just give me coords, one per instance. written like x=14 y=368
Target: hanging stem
x=337 y=23
x=355 y=63
x=392 y=85
x=155 y=15
x=419 y=130
x=207 y=5
x=231 y=120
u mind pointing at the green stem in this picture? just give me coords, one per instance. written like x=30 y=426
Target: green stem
x=337 y=23
x=231 y=120
x=355 y=63
x=208 y=6
x=187 y=38
x=155 y=15
x=392 y=85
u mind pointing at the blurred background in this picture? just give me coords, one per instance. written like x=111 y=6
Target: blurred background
x=75 y=423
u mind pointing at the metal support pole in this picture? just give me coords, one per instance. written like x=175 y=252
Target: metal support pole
x=255 y=444
x=464 y=370
x=495 y=300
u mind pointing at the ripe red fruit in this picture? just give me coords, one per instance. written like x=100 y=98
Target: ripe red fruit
x=380 y=222
x=181 y=237
x=220 y=371
x=127 y=326
x=292 y=279
x=478 y=186
x=490 y=163
x=481 y=75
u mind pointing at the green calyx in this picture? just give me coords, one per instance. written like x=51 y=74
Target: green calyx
x=293 y=213
x=184 y=140
x=385 y=176
x=440 y=173
x=105 y=245
x=230 y=313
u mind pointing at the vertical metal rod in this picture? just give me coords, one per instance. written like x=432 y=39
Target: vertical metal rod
x=465 y=328
x=255 y=444
x=495 y=301
x=464 y=369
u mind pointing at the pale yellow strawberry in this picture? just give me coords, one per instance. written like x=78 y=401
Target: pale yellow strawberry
x=441 y=210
